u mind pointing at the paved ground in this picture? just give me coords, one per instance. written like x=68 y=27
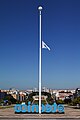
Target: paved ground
x=69 y=114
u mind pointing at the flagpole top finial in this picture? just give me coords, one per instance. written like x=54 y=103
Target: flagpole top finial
x=40 y=8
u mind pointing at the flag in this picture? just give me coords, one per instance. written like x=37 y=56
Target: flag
x=45 y=46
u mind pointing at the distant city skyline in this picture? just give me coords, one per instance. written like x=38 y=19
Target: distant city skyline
x=19 y=44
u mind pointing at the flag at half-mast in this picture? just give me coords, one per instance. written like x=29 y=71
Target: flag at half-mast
x=45 y=46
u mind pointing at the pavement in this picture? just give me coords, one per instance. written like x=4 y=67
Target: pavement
x=70 y=113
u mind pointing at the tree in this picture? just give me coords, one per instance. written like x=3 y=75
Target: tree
x=10 y=99
x=59 y=101
x=76 y=101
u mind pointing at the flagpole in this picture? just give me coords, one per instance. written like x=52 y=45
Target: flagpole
x=40 y=47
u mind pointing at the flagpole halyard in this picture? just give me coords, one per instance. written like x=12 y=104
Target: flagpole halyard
x=40 y=54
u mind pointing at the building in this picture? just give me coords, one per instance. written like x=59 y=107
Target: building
x=61 y=95
x=37 y=97
x=22 y=96
x=14 y=93
x=77 y=92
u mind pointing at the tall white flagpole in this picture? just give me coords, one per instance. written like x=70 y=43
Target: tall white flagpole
x=40 y=47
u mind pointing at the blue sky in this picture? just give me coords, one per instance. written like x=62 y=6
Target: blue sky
x=19 y=43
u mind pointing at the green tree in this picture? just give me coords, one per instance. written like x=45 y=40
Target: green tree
x=10 y=99
x=59 y=101
x=76 y=101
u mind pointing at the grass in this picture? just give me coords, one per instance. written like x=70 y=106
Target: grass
x=4 y=107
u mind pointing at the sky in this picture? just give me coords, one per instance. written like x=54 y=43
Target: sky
x=19 y=44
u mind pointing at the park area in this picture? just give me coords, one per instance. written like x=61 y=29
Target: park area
x=70 y=113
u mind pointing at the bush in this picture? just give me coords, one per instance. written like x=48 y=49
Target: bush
x=10 y=99
x=76 y=101
x=59 y=101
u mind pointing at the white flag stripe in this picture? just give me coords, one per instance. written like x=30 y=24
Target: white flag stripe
x=45 y=46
